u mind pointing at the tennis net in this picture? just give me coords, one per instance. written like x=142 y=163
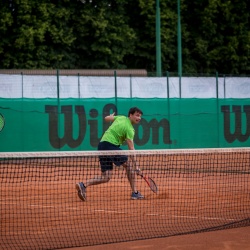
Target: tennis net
x=198 y=190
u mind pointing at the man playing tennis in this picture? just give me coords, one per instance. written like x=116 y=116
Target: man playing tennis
x=121 y=130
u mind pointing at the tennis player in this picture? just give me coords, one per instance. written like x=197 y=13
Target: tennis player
x=120 y=130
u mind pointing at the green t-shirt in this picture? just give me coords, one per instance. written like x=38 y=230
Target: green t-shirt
x=120 y=130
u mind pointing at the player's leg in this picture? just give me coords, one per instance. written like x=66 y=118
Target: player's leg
x=136 y=195
x=81 y=187
x=103 y=178
x=106 y=168
x=123 y=160
x=106 y=163
x=131 y=176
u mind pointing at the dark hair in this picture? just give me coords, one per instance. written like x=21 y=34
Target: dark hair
x=133 y=110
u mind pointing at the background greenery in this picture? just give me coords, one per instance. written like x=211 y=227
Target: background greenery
x=69 y=34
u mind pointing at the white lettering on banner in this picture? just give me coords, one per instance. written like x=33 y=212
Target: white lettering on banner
x=37 y=86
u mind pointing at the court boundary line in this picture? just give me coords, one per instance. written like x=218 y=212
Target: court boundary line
x=120 y=212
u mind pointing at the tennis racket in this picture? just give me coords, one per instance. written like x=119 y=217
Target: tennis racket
x=149 y=181
x=2 y=122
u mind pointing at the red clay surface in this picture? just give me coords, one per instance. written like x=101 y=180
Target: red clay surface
x=231 y=239
x=41 y=210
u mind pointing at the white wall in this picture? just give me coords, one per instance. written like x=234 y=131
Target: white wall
x=35 y=86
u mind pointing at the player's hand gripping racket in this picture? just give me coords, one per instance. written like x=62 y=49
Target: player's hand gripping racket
x=149 y=181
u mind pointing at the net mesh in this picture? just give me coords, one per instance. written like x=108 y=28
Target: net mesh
x=198 y=190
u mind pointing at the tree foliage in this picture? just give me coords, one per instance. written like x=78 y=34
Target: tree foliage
x=109 y=34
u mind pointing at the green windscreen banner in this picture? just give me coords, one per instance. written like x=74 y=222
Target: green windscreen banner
x=78 y=124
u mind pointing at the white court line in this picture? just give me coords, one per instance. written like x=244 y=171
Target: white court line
x=189 y=217
x=41 y=206
x=119 y=212
x=110 y=211
x=163 y=215
x=196 y=217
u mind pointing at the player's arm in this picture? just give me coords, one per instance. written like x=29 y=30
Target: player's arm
x=130 y=144
x=110 y=118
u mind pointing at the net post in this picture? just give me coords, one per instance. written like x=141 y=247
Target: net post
x=115 y=75
x=130 y=82
x=224 y=83
x=57 y=83
x=58 y=100
x=78 y=81
x=22 y=83
x=168 y=100
x=218 y=109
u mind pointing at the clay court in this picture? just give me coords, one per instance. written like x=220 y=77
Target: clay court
x=40 y=208
x=233 y=239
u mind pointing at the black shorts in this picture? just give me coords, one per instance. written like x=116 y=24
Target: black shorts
x=106 y=161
